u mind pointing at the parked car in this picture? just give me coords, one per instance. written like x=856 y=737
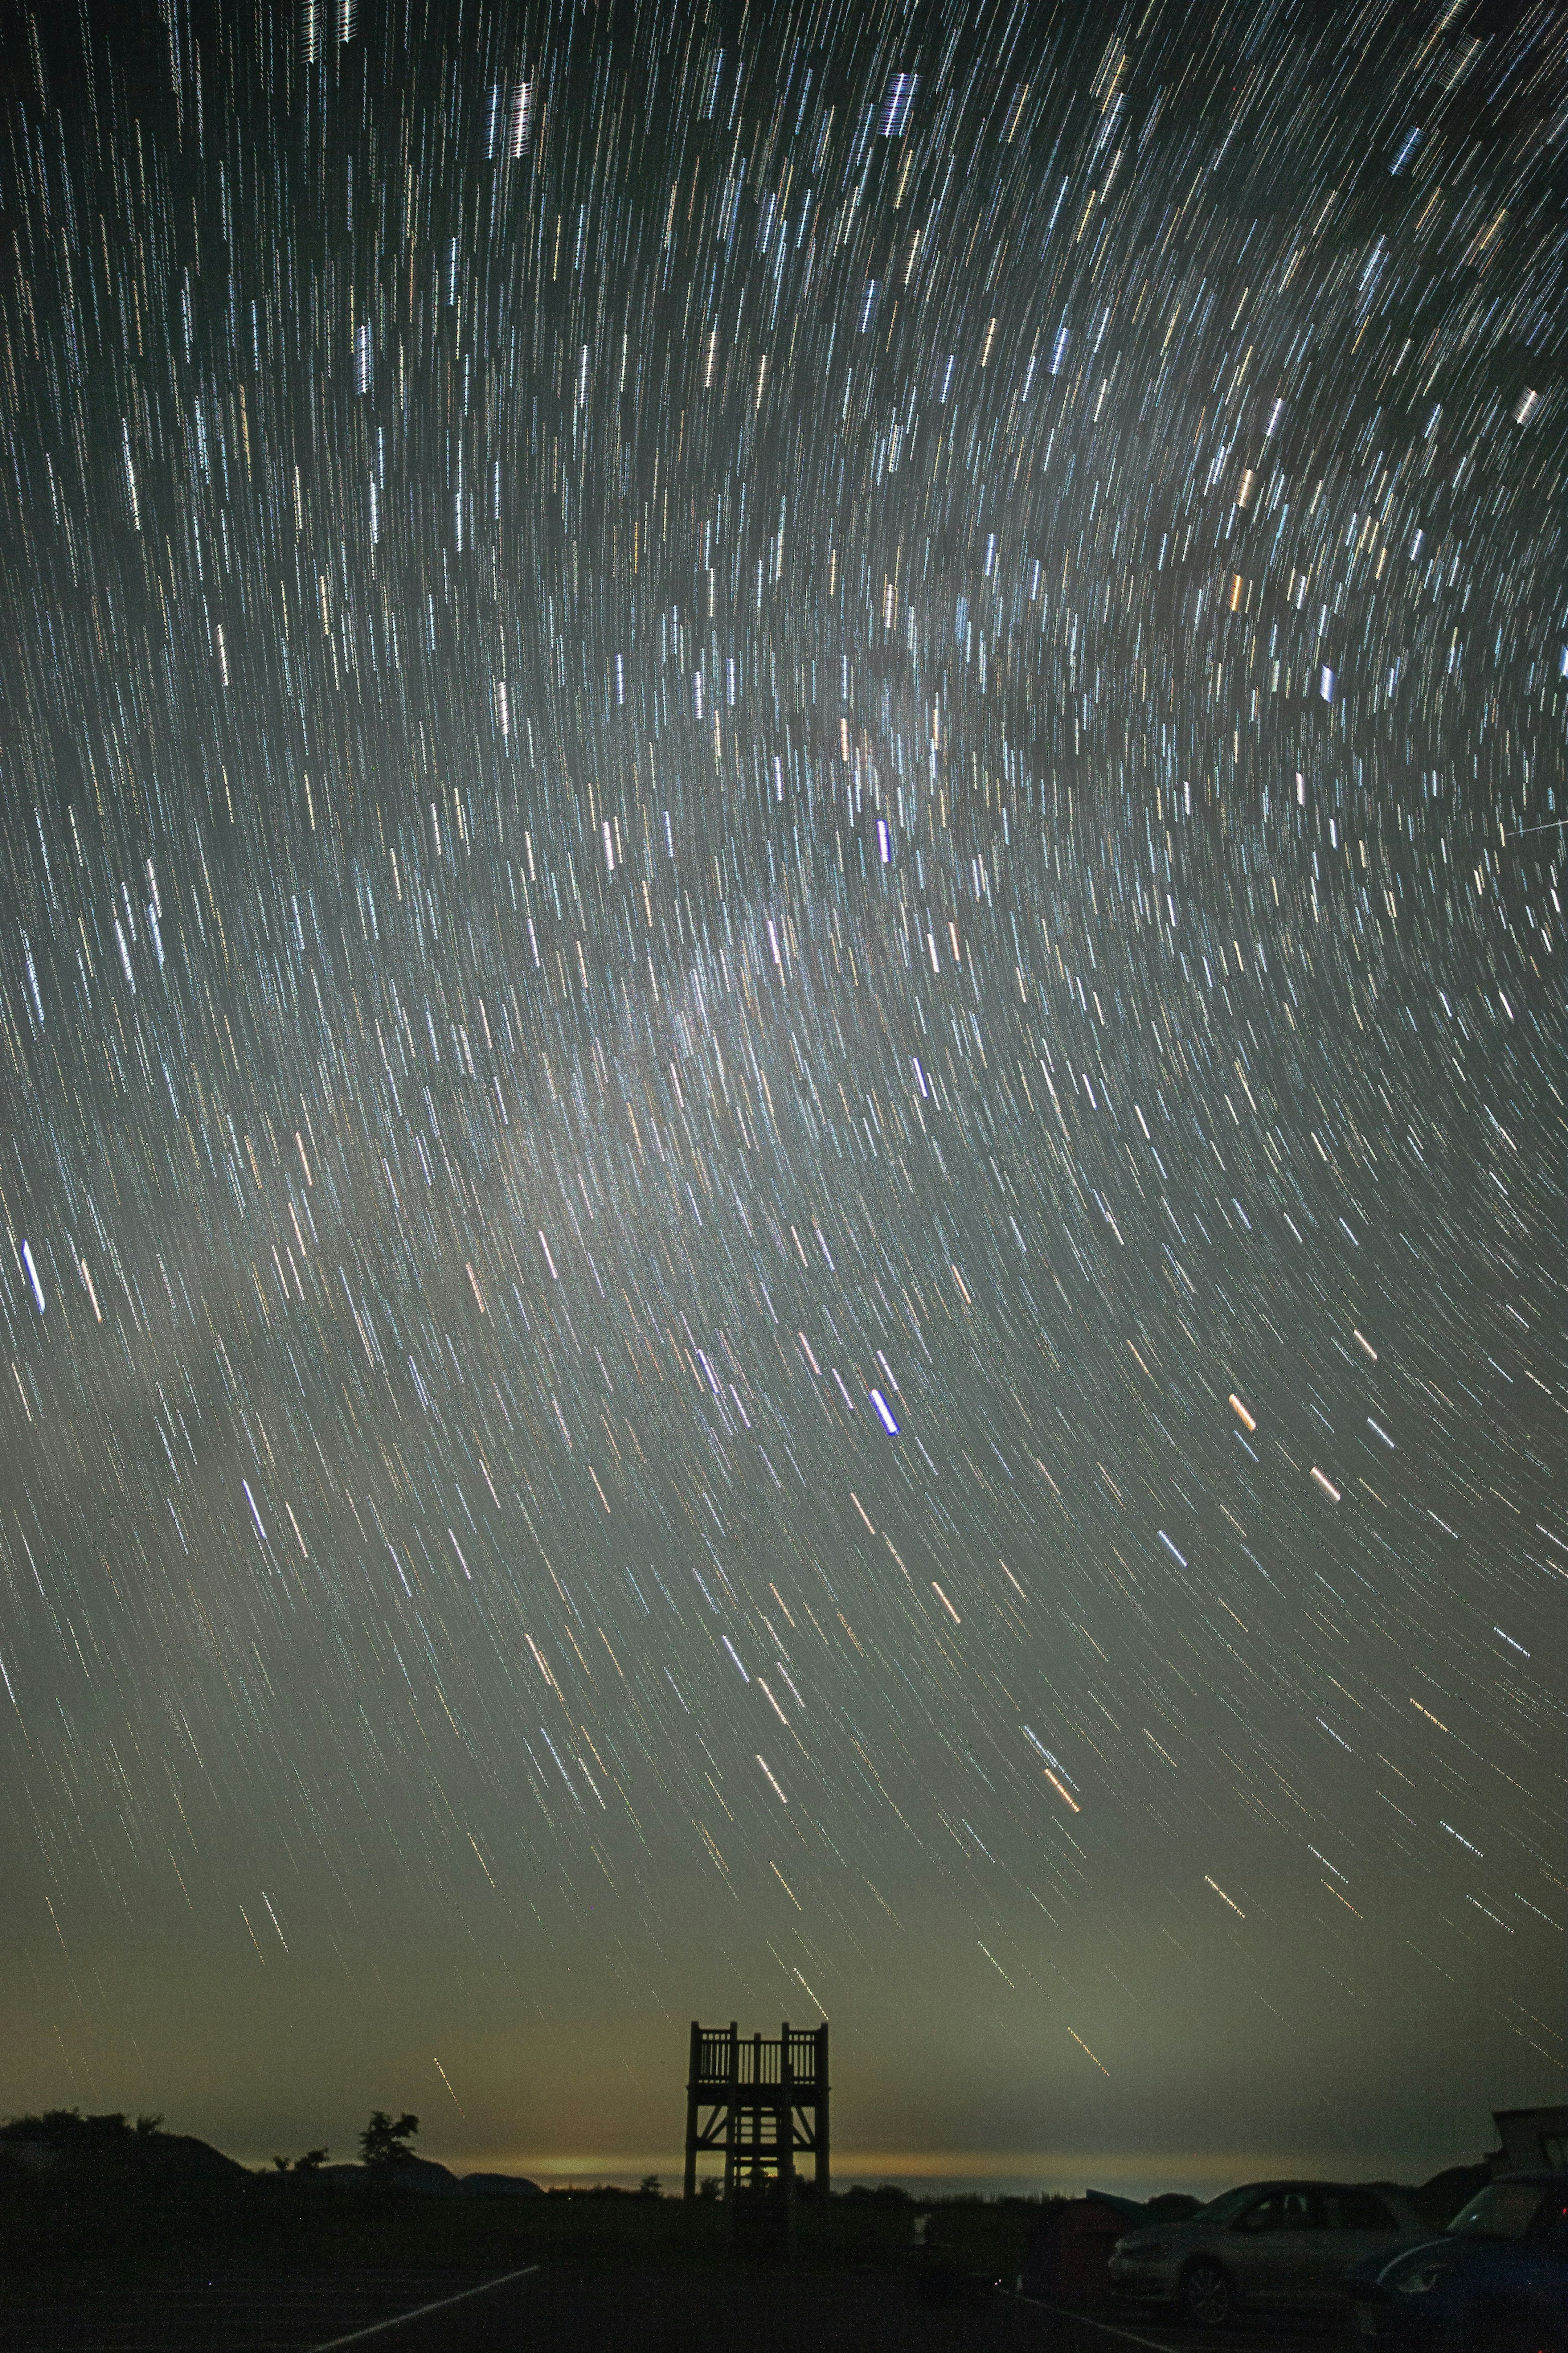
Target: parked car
x=1495 y=2282
x=1279 y=2243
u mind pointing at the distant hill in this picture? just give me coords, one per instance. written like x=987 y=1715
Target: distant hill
x=421 y=2177
x=64 y=2144
x=64 y=2150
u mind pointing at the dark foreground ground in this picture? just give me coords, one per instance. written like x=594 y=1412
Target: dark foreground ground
x=578 y=2308
x=283 y=2267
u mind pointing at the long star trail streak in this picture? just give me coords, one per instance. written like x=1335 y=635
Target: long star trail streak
x=780 y=977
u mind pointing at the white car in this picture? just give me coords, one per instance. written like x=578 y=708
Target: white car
x=1270 y=2243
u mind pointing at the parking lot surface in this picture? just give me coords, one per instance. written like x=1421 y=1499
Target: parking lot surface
x=1108 y=2327
x=249 y=2312
x=605 y=2310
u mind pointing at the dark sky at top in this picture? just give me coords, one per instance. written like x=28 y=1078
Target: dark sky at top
x=782 y=1030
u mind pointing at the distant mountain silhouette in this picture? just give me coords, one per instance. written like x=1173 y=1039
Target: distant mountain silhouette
x=421 y=2177
x=64 y=2145
x=65 y=2150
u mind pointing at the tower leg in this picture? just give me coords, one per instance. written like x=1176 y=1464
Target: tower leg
x=693 y=2073
x=784 y=2131
x=730 y=2118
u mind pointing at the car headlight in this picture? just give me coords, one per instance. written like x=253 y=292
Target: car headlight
x=1422 y=2280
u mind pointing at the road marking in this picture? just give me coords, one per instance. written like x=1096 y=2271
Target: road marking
x=1154 y=2343
x=442 y=2304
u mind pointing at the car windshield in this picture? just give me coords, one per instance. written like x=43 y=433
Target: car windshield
x=1504 y=2210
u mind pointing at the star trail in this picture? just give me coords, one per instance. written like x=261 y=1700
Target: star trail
x=783 y=1042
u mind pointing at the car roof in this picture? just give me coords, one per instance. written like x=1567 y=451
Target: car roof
x=1302 y=2181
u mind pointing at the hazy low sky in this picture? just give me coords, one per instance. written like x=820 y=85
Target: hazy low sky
x=780 y=995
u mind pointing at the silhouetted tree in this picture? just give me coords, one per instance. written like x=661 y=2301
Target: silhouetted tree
x=311 y=2162
x=384 y=2143
x=148 y=2126
x=648 y=2186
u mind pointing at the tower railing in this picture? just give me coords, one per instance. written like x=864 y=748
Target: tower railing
x=759 y=2058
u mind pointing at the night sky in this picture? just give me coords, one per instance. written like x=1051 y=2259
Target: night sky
x=782 y=1054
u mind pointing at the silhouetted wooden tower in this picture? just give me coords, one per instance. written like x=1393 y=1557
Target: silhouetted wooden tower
x=766 y=2102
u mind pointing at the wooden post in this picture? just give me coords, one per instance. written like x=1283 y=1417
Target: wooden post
x=730 y=2119
x=786 y=2131
x=693 y=2076
x=755 y=2111
x=824 y=2164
